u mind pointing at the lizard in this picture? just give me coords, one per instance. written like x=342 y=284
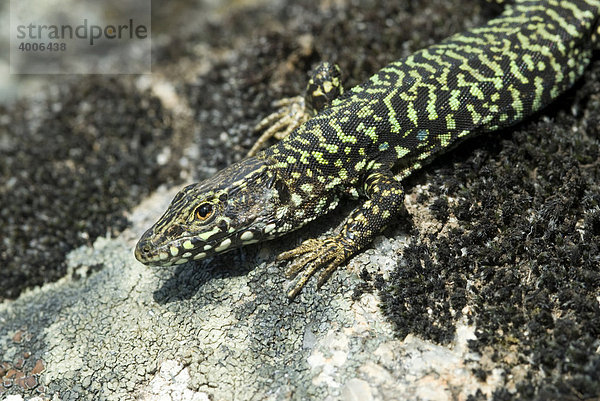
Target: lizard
x=364 y=141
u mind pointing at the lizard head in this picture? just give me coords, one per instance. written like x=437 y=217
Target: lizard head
x=235 y=207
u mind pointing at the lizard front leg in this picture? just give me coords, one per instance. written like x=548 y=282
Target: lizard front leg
x=385 y=201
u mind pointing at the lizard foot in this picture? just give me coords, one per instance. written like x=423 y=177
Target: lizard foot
x=312 y=255
x=290 y=115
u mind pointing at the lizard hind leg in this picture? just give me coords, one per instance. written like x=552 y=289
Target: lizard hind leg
x=323 y=87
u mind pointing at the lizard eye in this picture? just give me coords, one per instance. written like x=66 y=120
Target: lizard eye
x=204 y=211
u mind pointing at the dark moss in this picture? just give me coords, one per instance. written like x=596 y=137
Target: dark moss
x=439 y=209
x=69 y=171
x=526 y=254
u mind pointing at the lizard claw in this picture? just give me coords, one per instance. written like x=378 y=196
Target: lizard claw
x=312 y=255
x=290 y=115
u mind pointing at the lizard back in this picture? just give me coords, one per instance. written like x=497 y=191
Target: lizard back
x=480 y=80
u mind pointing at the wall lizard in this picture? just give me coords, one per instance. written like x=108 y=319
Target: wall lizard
x=364 y=141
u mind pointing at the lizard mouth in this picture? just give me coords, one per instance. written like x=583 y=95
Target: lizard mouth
x=184 y=249
x=173 y=252
x=190 y=248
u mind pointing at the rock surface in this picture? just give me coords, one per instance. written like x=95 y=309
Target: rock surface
x=488 y=288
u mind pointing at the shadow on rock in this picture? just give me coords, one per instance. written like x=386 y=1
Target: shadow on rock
x=186 y=279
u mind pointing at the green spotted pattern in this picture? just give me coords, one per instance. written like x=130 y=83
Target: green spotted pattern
x=364 y=141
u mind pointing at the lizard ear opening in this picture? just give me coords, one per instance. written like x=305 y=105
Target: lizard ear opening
x=282 y=190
